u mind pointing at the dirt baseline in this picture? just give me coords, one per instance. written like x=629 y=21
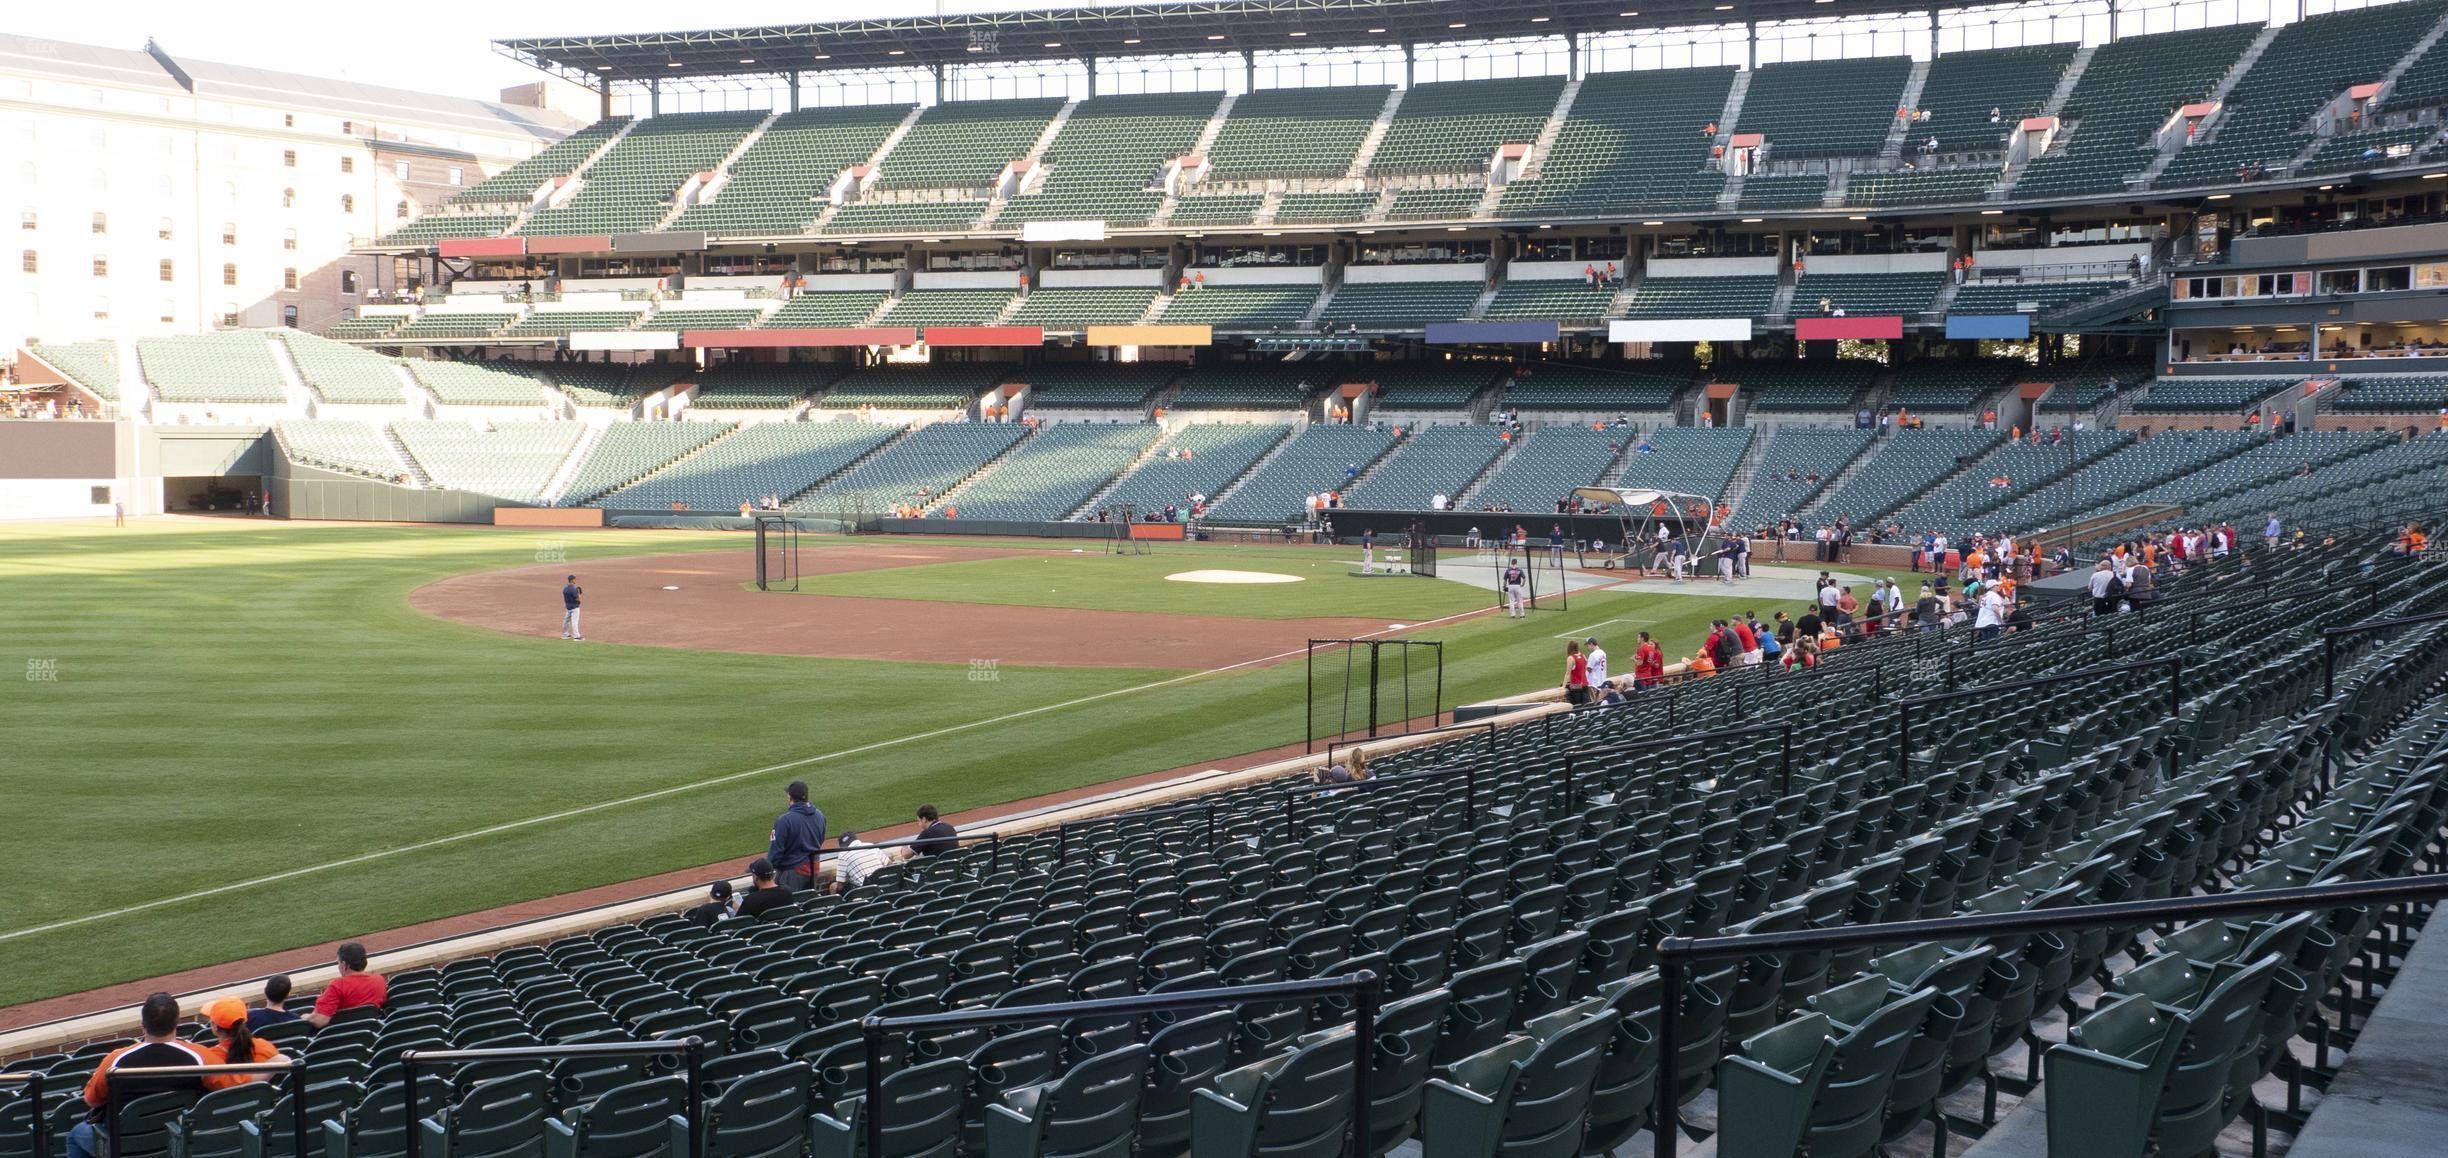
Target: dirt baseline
x=712 y=611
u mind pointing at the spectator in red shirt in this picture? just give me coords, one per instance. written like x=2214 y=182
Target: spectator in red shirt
x=1648 y=664
x=353 y=988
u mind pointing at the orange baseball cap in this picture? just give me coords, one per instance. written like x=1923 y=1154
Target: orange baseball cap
x=225 y=1012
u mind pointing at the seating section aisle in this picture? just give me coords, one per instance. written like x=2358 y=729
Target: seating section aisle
x=341 y=445
x=932 y=386
x=235 y=366
x=2210 y=395
x=1900 y=468
x=1797 y=463
x=965 y=144
x=1400 y=305
x=517 y=184
x=1783 y=385
x=780 y=184
x=1825 y=108
x=1694 y=460
x=919 y=468
x=1217 y=453
x=343 y=373
x=1323 y=457
x=1703 y=297
x=1106 y=161
x=1294 y=132
x=479 y=383
x=1546 y=465
x=92 y=365
x=1440 y=460
x=629 y=451
x=2129 y=88
x=512 y=461
x=763 y=459
x=1057 y=469
x=1630 y=142
x=2266 y=117
x=1456 y=126
x=631 y=186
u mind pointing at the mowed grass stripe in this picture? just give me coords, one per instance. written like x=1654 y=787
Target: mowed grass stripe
x=213 y=724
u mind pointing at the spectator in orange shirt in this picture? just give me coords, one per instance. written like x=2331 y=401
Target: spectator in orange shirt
x=354 y=988
x=237 y=1045
x=160 y=1046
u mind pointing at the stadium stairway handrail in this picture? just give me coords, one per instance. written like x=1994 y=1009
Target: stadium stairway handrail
x=1675 y=954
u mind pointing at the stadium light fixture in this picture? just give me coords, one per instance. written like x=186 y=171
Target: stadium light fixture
x=2433 y=176
x=976 y=48
x=1272 y=233
x=671 y=64
x=1751 y=220
x=1628 y=15
x=894 y=52
x=1215 y=36
x=1546 y=227
x=1725 y=8
x=1991 y=212
x=824 y=56
x=1053 y=44
x=1131 y=40
x=2326 y=188
x=1458 y=24
x=1653 y=223
x=1857 y=217
x=1540 y=19
x=2221 y=196
x=1296 y=34
x=747 y=60
x=1455 y=228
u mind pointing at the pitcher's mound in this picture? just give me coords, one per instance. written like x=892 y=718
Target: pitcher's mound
x=1230 y=577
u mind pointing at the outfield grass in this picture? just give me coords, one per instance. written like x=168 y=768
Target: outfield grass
x=233 y=701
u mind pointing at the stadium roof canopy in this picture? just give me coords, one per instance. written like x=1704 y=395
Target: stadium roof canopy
x=1104 y=32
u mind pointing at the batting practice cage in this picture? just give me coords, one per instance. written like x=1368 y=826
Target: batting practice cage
x=1543 y=571
x=1639 y=514
x=1122 y=541
x=1361 y=686
x=777 y=553
x=1423 y=547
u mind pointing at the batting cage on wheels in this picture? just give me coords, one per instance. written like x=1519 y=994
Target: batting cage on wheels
x=777 y=552
x=1360 y=686
x=1641 y=514
x=1541 y=569
x=1122 y=541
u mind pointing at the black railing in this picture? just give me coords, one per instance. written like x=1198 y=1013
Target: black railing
x=117 y=1090
x=1904 y=708
x=1489 y=725
x=1674 y=953
x=1783 y=729
x=1362 y=987
x=691 y=1049
x=2331 y=635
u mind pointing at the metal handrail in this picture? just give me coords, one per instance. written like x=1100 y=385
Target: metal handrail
x=691 y=1048
x=1674 y=952
x=115 y=1094
x=2331 y=635
x=1362 y=986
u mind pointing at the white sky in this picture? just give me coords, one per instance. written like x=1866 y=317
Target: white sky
x=439 y=46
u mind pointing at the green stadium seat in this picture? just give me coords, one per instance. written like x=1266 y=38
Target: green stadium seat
x=779 y=185
x=1825 y=108
x=1631 y=143
x=2266 y=117
x=1092 y=1110
x=965 y=144
x=2132 y=85
x=1522 y=1099
x=1294 y=132
x=516 y=184
x=1456 y=126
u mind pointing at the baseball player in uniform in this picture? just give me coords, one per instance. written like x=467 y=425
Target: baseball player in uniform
x=1516 y=589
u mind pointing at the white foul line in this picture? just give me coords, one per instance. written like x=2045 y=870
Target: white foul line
x=673 y=790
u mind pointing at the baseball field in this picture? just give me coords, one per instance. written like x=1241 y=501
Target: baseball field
x=234 y=737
